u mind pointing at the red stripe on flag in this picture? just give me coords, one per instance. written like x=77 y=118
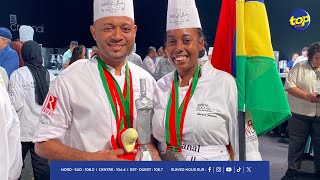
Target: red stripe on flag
x=224 y=40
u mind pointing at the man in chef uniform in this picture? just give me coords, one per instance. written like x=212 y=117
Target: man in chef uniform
x=84 y=111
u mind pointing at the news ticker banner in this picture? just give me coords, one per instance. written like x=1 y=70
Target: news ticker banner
x=199 y=170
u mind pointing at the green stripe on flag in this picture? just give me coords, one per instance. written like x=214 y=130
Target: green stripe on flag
x=241 y=62
x=265 y=96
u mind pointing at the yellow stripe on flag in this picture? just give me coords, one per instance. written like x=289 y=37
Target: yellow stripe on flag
x=240 y=42
x=257 y=42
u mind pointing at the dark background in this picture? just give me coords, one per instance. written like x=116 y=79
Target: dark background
x=284 y=38
x=68 y=20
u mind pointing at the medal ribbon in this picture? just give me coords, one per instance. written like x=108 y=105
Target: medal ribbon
x=124 y=119
x=175 y=114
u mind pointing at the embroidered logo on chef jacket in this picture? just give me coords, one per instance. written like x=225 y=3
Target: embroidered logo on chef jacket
x=49 y=104
x=44 y=121
x=204 y=109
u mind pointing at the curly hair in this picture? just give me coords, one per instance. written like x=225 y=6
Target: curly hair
x=313 y=49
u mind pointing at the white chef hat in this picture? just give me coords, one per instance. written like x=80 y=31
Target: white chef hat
x=26 y=33
x=182 y=14
x=106 y=8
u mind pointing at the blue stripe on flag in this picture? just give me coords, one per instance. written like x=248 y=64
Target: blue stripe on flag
x=262 y=1
x=234 y=63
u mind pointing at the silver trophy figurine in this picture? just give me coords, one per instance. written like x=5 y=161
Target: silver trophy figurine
x=144 y=107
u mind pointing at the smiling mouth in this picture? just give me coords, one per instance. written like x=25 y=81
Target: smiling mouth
x=116 y=47
x=180 y=58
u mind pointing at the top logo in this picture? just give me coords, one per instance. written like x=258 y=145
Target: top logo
x=299 y=20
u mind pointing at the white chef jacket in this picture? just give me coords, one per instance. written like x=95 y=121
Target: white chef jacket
x=77 y=111
x=211 y=119
x=10 y=148
x=203 y=59
x=3 y=77
x=22 y=94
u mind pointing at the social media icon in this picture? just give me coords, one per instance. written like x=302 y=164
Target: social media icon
x=209 y=169
x=228 y=169
x=238 y=170
x=248 y=169
x=218 y=169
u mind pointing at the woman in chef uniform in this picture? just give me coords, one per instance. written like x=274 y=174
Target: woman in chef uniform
x=196 y=116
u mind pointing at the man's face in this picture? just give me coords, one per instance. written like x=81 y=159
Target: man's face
x=114 y=37
x=294 y=57
x=72 y=47
x=3 y=42
x=160 y=51
x=153 y=54
x=304 y=53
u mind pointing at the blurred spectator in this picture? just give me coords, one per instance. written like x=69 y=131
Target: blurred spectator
x=78 y=52
x=135 y=59
x=26 y=33
x=94 y=51
x=149 y=62
x=302 y=85
x=303 y=57
x=28 y=89
x=164 y=67
x=17 y=45
x=67 y=55
x=160 y=52
x=291 y=62
x=9 y=58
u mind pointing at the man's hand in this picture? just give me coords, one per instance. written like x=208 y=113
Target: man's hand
x=55 y=150
x=108 y=155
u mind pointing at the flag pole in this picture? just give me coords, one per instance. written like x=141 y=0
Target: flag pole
x=242 y=136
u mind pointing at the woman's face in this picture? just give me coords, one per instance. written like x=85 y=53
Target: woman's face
x=84 y=52
x=182 y=48
x=315 y=61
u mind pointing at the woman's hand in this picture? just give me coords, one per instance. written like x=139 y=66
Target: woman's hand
x=312 y=97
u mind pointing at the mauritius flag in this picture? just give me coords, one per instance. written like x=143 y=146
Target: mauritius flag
x=260 y=90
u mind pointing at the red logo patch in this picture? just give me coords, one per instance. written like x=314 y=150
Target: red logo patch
x=49 y=104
